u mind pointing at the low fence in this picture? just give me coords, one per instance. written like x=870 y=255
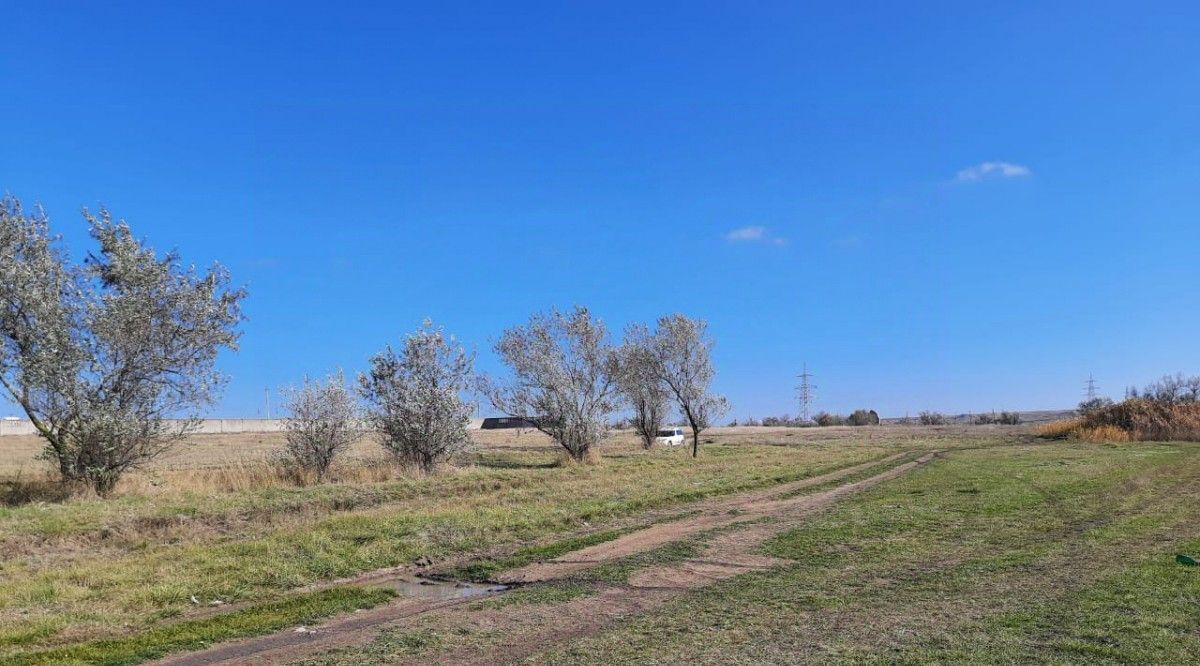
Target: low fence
x=207 y=426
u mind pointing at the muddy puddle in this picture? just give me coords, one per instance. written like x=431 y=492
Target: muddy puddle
x=426 y=588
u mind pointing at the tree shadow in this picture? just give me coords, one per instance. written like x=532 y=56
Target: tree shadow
x=515 y=464
x=21 y=490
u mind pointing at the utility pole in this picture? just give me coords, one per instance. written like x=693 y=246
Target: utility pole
x=267 y=402
x=1090 y=388
x=805 y=392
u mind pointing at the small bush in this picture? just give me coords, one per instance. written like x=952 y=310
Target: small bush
x=415 y=398
x=825 y=419
x=932 y=418
x=862 y=417
x=323 y=421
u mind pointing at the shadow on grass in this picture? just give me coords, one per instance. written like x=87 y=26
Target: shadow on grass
x=28 y=489
x=515 y=464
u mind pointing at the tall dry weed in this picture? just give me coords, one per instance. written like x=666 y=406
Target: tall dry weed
x=1136 y=419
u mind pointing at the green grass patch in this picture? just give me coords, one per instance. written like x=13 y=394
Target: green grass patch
x=1031 y=554
x=554 y=592
x=485 y=569
x=200 y=633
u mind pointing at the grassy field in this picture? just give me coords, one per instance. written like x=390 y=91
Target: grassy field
x=1062 y=553
x=1004 y=549
x=174 y=542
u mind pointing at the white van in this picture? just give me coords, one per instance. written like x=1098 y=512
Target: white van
x=669 y=437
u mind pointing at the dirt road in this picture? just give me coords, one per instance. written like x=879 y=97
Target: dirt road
x=738 y=527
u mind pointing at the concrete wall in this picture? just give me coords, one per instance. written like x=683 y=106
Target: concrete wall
x=218 y=426
x=16 y=428
x=207 y=426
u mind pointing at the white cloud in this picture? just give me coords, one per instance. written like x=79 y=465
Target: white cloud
x=753 y=234
x=993 y=170
x=747 y=234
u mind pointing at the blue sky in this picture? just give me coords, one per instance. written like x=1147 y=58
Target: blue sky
x=953 y=206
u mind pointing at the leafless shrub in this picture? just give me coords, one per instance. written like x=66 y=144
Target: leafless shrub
x=1003 y=418
x=1093 y=405
x=825 y=419
x=931 y=418
x=563 y=380
x=640 y=384
x=1172 y=389
x=99 y=355
x=1009 y=418
x=683 y=352
x=415 y=398
x=323 y=420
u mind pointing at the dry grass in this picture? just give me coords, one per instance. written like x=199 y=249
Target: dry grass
x=1136 y=420
x=91 y=568
x=1104 y=433
x=1064 y=429
x=592 y=457
x=219 y=464
x=246 y=475
x=1076 y=429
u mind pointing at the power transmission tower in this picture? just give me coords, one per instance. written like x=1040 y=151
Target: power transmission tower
x=1090 y=388
x=267 y=401
x=805 y=392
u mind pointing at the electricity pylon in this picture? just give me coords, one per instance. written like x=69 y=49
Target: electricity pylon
x=805 y=392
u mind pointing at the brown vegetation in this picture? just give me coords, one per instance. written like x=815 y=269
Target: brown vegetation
x=1136 y=419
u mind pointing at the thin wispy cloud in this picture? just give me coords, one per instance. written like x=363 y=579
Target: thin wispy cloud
x=992 y=170
x=753 y=234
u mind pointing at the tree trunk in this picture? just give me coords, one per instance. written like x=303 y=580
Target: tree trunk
x=695 y=442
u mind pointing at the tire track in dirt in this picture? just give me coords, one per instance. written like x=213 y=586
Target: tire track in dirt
x=530 y=629
x=732 y=511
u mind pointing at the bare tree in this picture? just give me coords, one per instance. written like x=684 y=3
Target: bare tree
x=323 y=420
x=563 y=378
x=684 y=364
x=640 y=384
x=100 y=355
x=1173 y=389
x=415 y=398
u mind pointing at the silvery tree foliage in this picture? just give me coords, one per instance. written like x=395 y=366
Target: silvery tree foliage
x=563 y=379
x=644 y=391
x=415 y=398
x=683 y=362
x=323 y=420
x=101 y=355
